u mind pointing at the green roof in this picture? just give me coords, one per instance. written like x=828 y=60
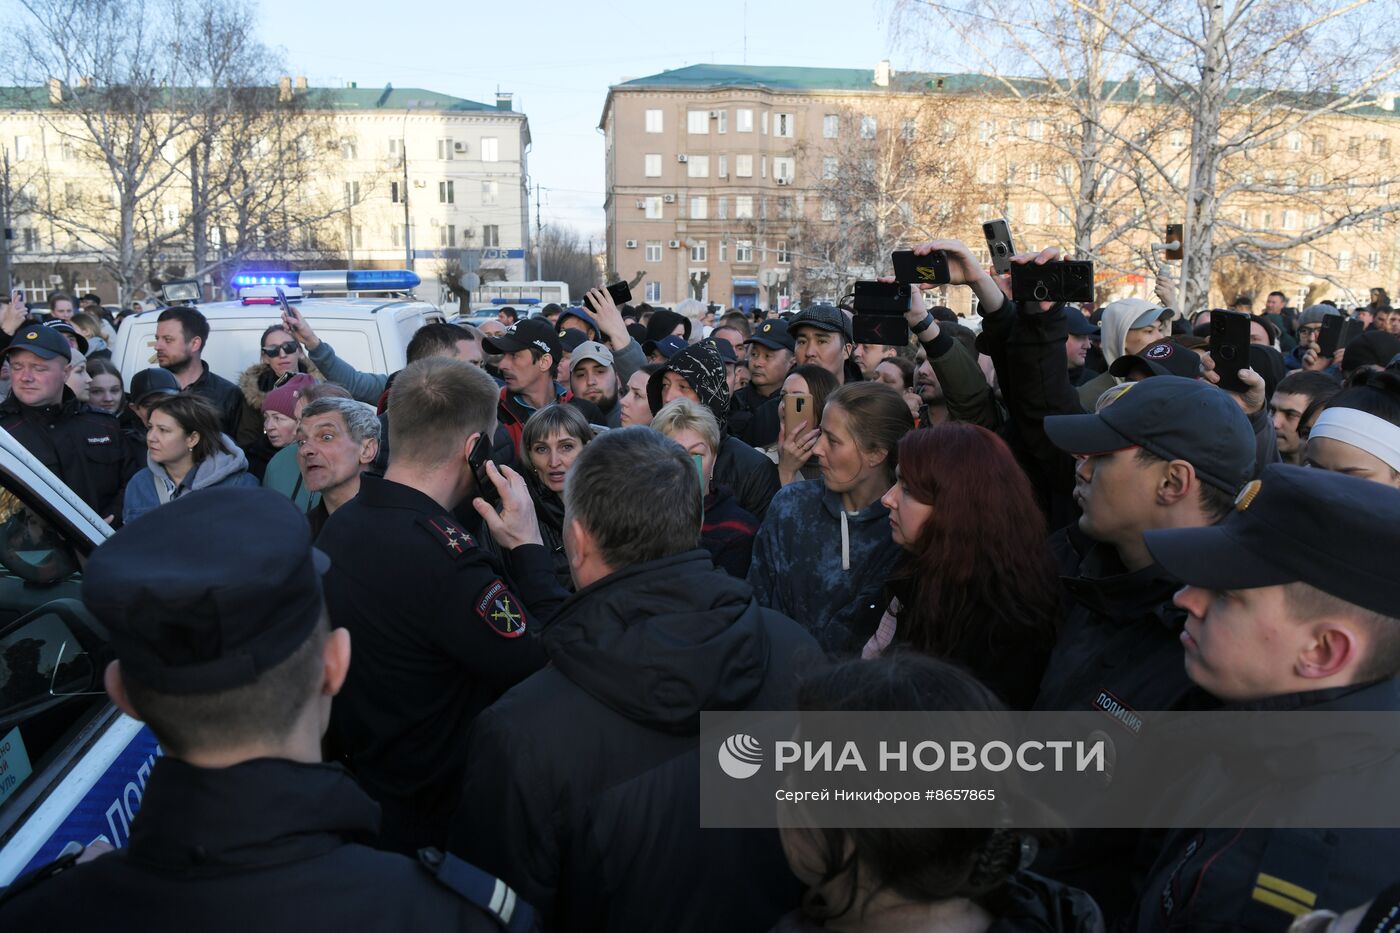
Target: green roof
x=348 y=98
x=784 y=78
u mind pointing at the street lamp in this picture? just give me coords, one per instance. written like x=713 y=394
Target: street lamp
x=403 y=158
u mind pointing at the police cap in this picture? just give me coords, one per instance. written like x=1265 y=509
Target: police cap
x=208 y=592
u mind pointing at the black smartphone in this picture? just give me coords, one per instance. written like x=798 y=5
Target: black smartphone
x=879 y=313
x=287 y=309
x=1066 y=280
x=998 y=234
x=1229 y=347
x=477 y=460
x=1350 y=331
x=920 y=270
x=1176 y=233
x=620 y=292
x=1329 y=337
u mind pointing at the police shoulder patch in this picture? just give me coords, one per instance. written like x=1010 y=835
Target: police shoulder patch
x=500 y=609
x=452 y=536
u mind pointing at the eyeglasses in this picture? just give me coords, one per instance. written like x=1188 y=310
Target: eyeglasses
x=1310 y=329
x=289 y=348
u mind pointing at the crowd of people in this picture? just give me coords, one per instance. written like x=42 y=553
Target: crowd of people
x=548 y=543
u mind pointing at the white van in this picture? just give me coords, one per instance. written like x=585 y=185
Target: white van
x=371 y=334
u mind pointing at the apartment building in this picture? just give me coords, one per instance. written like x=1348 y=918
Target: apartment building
x=401 y=176
x=742 y=184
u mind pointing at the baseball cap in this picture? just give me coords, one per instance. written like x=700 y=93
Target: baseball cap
x=577 y=312
x=68 y=330
x=153 y=381
x=283 y=399
x=1079 y=325
x=591 y=350
x=666 y=346
x=1161 y=358
x=529 y=332
x=773 y=335
x=1171 y=418
x=1293 y=524
x=823 y=317
x=1139 y=311
x=725 y=348
x=195 y=625
x=42 y=341
x=571 y=339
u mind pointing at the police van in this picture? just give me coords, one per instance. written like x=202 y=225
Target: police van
x=369 y=333
x=72 y=766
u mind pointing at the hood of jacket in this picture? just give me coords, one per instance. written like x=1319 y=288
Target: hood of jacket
x=660 y=641
x=226 y=462
x=700 y=365
x=259 y=379
x=1117 y=320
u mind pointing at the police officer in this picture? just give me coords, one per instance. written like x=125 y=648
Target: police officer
x=441 y=628
x=86 y=449
x=1287 y=609
x=241 y=826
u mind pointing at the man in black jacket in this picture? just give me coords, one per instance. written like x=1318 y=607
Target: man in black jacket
x=242 y=827
x=582 y=787
x=753 y=412
x=697 y=373
x=181 y=335
x=1286 y=610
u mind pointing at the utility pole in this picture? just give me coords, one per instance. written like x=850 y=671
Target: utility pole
x=5 y=232
x=403 y=158
x=539 y=252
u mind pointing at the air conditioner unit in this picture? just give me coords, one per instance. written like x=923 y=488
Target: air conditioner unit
x=641 y=204
x=714 y=114
x=459 y=147
x=631 y=244
x=669 y=199
x=783 y=181
x=420 y=184
x=682 y=158
x=674 y=244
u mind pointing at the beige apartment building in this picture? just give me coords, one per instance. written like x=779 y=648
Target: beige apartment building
x=459 y=166
x=753 y=185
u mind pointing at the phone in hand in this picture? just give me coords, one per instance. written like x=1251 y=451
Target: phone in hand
x=620 y=293
x=796 y=409
x=287 y=309
x=920 y=270
x=879 y=313
x=1350 y=331
x=1176 y=233
x=1329 y=337
x=1229 y=348
x=1065 y=280
x=477 y=460
x=998 y=235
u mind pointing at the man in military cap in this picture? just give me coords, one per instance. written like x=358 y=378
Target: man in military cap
x=1287 y=609
x=86 y=449
x=241 y=826
x=441 y=627
x=753 y=410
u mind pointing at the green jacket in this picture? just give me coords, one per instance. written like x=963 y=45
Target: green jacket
x=284 y=475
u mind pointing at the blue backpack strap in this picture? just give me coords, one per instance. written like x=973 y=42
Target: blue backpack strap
x=486 y=891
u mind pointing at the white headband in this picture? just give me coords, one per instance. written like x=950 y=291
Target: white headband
x=1364 y=431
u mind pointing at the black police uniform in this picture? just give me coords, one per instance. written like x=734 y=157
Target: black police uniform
x=86 y=449
x=265 y=843
x=439 y=634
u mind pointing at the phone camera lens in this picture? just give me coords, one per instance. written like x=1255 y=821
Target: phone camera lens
x=1227 y=353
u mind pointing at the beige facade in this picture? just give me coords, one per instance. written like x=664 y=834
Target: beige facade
x=745 y=177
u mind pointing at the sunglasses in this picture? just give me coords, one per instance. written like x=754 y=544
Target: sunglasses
x=289 y=349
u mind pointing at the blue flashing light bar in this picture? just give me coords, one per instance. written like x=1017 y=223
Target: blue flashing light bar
x=335 y=280
x=515 y=301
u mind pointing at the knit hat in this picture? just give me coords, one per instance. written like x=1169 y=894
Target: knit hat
x=283 y=399
x=1313 y=314
x=702 y=367
x=663 y=322
x=1372 y=348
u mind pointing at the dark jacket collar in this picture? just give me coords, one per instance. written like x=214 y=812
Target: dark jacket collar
x=1104 y=586
x=380 y=493
x=263 y=812
x=1377 y=696
x=68 y=405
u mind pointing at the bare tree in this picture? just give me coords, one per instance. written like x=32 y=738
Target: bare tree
x=565 y=258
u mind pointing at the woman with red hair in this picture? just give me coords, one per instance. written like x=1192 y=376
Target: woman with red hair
x=977 y=583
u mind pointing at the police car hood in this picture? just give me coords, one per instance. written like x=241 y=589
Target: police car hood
x=663 y=640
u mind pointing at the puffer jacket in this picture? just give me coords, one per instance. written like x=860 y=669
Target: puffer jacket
x=822 y=567
x=152 y=486
x=582 y=788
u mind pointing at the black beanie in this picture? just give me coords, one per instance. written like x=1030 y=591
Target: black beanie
x=662 y=323
x=1373 y=348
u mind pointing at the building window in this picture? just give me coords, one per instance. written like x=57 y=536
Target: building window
x=723 y=170
x=491 y=235
x=1354 y=147
x=698 y=122
x=743 y=166
x=698 y=167
x=785 y=208
x=653 y=291
x=721 y=121
x=1295 y=142
x=1178 y=139
x=23 y=145
x=907 y=130
x=722 y=207
x=1035 y=130
x=1384 y=149
x=723 y=250
x=1315 y=180
x=783 y=169
x=699 y=251
x=867 y=127
x=1307 y=259
x=394 y=235
x=1064 y=215
x=352 y=192
x=743 y=251
x=490 y=149
x=985 y=129
x=783 y=124
x=699 y=208
x=763 y=166
x=1344 y=261
x=446 y=194
x=828 y=169
x=170 y=213
x=445 y=150
x=1319 y=145
x=31 y=242
x=394 y=193
x=784 y=257
x=1373 y=262
x=763 y=123
x=447 y=235
x=1290 y=220
x=743 y=121
x=1011 y=173
x=654 y=121
x=828 y=209
x=653 y=253
x=1032 y=213
x=356 y=236
x=1033 y=173
x=1065 y=173
x=831 y=126
x=653 y=206
x=652 y=161
x=743 y=207
x=490 y=193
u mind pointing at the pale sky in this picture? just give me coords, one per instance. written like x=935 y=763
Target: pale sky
x=560 y=58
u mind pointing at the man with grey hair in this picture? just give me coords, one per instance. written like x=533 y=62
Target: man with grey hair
x=337 y=439
x=597 y=825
